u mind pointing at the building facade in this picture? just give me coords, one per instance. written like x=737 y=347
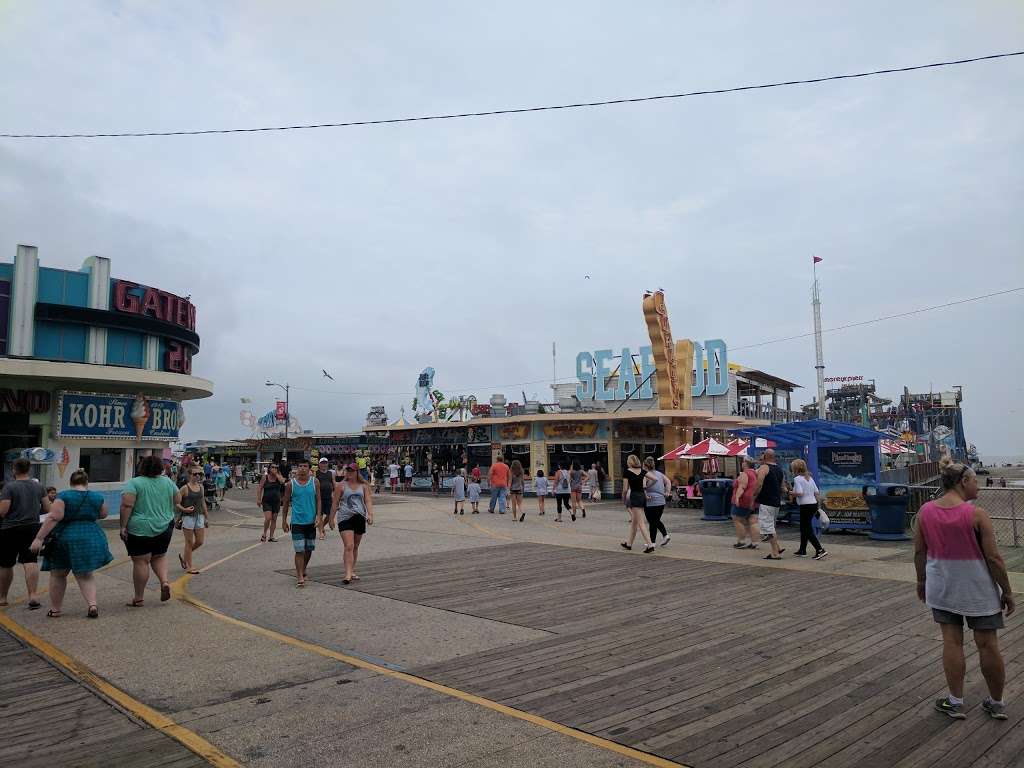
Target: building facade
x=94 y=370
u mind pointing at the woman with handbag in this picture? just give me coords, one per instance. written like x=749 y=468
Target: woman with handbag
x=76 y=543
x=805 y=492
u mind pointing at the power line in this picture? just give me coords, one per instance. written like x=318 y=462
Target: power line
x=512 y=111
x=731 y=349
x=879 y=319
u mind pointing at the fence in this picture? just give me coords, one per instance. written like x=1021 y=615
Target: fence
x=1004 y=505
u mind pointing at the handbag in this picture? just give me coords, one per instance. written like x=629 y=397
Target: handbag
x=823 y=517
x=49 y=548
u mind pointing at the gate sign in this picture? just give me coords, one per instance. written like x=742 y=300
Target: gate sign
x=118 y=417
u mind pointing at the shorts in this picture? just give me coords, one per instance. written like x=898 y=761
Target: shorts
x=637 y=500
x=995 y=621
x=156 y=546
x=356 y=524
x=191 y=522
x=766 y=519
x=394 y=481
x=325 y=506
x=740 y=512
x=304 y=537
x=15 y=543
x=273 y=507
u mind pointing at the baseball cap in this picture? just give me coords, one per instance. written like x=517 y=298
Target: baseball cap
x=323 y=461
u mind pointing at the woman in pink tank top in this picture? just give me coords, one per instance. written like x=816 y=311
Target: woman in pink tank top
x=961 y=577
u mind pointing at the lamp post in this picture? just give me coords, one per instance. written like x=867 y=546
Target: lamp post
x=287 y=409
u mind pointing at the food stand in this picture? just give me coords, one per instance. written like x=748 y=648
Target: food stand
x=843 y=459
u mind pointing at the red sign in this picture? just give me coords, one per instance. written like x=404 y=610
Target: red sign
x=153 y=303
x=281 y=413
x=178 y=358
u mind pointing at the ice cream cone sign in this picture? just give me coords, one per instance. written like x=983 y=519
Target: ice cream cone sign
x=140 y=414
x=65 y=459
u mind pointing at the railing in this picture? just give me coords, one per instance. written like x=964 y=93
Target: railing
x=767 y=412
x=1004 y=505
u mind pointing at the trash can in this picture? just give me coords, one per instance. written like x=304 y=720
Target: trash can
x=887 y=511
x=717 y=495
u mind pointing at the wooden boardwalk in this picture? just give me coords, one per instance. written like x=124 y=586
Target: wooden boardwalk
x=49 y=720
x=711 y=664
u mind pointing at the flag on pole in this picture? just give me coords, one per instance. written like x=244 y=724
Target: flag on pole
x=816 y=259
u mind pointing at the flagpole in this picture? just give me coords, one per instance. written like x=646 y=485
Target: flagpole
x=819 y=359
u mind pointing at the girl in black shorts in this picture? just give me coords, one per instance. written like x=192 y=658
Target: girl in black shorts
x=635 y=499
x=268 y=498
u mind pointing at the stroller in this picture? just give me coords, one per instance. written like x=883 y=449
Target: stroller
x=210 y=494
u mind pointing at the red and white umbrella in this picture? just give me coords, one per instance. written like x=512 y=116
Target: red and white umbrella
x=677 y=453
x=707 y=448
x=738 y=447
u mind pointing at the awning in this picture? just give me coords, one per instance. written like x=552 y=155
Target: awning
x=797 y=434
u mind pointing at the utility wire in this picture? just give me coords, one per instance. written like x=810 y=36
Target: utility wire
x=515 y=111
x=879 y=319
x=731 y=349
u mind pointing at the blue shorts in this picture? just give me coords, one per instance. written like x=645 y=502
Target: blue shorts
x=741 y=513
x=304 y=537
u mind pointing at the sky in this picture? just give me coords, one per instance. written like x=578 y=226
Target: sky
x=374 y=252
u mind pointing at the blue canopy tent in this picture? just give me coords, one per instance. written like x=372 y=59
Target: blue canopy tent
x=843 y=458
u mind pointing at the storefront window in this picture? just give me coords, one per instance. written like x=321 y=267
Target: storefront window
x=103 y=465
x=584 y=454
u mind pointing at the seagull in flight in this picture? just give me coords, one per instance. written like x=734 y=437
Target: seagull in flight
x=327 y=375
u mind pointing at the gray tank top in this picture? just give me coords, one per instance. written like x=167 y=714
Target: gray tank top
x=352 y=502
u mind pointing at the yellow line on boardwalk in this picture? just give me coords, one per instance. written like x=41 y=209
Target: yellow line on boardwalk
x=182 y=593
x=192 y=741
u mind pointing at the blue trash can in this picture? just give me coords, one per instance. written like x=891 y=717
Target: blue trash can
x=717 y=494
x=887 y=510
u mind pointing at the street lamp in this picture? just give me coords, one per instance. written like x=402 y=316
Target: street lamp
x=287 y=407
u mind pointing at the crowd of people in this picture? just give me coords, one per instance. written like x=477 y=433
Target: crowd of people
x=961 y=575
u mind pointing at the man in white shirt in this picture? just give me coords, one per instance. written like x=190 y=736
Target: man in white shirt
x=408 y=476
x=393 y=476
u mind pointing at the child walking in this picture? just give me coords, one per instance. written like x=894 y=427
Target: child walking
x=541 y=486
x=459 y=492
x=474 y=494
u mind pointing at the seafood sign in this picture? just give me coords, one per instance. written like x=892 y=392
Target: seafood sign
x=122 y=417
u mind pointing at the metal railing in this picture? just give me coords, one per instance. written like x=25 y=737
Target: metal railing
x=1004 y=505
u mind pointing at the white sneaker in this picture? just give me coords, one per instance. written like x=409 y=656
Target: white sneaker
x=665 y=541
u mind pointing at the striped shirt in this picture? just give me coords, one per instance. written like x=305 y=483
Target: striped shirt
x=957 y=578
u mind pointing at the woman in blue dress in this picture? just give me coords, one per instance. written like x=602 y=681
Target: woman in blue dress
x=81 y=546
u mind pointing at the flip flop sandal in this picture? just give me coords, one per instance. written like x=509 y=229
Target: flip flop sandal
x=135 y=604
x=165 y=593
x=181 y=560
x=93 y=612
x=354 y=577
x=264 y=539
x=271 y=539
x=300 y=584
x=193 y=571
x=54 y=614
x=346 y=581
x=34 y=605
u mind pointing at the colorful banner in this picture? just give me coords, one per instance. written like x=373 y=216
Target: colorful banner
x=514 y=431
x=571 y=429
x=281 y=410
x=124 y=417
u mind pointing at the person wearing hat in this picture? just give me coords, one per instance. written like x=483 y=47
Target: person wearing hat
x=325 y=479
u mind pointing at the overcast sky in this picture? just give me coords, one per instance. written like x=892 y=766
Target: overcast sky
x=376 y=251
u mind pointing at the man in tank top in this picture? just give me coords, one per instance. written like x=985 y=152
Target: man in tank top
x=301 y=498
x=770 y=482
